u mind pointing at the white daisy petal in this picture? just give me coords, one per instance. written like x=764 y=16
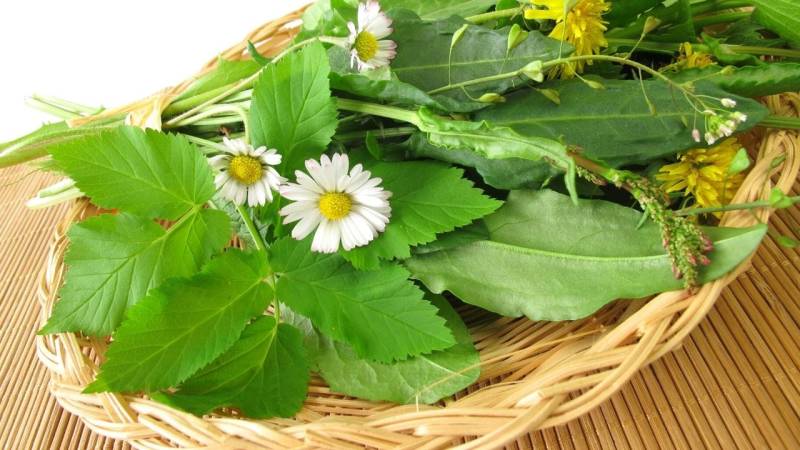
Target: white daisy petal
x=306 y=226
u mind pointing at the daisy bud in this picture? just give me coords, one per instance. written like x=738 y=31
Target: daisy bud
x=728 y=102
x=696 y=135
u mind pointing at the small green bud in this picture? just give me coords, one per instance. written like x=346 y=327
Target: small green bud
x=491 y=97
x=551 y=94
x=533 y=70
x=516 y=36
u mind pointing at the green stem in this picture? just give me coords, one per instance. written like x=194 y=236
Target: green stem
x=790 y=123
x=380 y=133
x=261 y=245
x=733 y=207
x=53 y=110
x=499 y=14
x=670 y=47
x=35 y=146
x=374 y=109
x=724 y=17
x=226 y=91
x=717 y=5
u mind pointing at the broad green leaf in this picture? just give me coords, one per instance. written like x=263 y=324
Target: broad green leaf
x=726 y=56
x=226 y=72
x=427 y=198
x=396 y=92
x=497 y=142
x=327 y=18
x=780 y=16
x=625 y=12
x=144 y=172
x=185 y=324
x=421 y=379
x=550 y=260
x=292 y=109
x=264 y=374
x=113 y=260
x=440 y=9
x=425 y=60
x=748 y=81
x=676 y=24
x=615 y=124
x=359 y=308
x=509 y=173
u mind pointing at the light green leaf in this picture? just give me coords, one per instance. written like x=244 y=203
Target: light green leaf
x=550 y=260
x=143 y=172
x=615 y=124
x=427 y=198
x=424 y=58
x=740 y=162
x=421 y=379
x=292 y=109
x=497 y=142
x=185 y=324
x=113 y=260
x=440 y=9
x=748 y=81
x=226 y=72
x=360 y=308
x=780 y=16
x=264 y=374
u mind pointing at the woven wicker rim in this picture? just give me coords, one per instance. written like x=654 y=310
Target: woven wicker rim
x=533 y=374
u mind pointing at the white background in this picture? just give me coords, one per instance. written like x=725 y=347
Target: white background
x=101 y=52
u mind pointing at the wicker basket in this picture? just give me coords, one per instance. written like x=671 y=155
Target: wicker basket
x=534 y=374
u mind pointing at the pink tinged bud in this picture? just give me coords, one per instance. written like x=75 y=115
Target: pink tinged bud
x=676 y=273
x=705 y=261
x=728 y=102
x=692 y=260
x=696 y=135
x=725 y=130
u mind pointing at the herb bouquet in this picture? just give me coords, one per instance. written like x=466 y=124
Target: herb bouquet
x=395 y=202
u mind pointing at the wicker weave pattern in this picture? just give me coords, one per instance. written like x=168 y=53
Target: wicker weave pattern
x=534 y=374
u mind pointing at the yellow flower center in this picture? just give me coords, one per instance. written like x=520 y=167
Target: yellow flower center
x=245 y=169
x=335 y=205
x=366 y=46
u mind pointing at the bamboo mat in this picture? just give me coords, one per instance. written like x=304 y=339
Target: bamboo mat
x=733 y=384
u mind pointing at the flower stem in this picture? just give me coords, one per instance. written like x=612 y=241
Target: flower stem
x=389 y=112
x=261 y=245
x=380 y=133
x=790 y=123
x=498 y=14
x=734 y=207
x=671 y=47
x=717 y=5
x=724 y=17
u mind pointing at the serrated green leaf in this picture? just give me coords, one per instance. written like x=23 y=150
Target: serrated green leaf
x=139 y=171
x=185 y=324
x=424 y=58
x=748 y=81
x=360 y=308
x=615 y=124
x=780 y=16
x=113 y=260
x=264 y=374
x=421 y=379
x=427 y=198
x=292 y=109
x=548 y=259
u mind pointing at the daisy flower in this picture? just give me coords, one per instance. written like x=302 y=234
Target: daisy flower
x=246 y=173
x=350 y=208
x=368 y=48
x=704 y=173
x=582 y=26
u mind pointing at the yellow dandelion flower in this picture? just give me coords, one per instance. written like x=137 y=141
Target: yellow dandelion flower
x=704 y=174
x=582 y=26
x=689 y=58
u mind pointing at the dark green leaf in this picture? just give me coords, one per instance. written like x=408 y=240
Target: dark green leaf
x=360 y=308
x=113 y=260
x=422 y=379
x=424 y=57
x=726 y=56
x=748 y=81
x=614 y=124
x=676 y=23
x=550 y=260
x=185 y=324
x=143 y=172
x=427 y=198
x=440 y=9
x=780 y=16
x=624 y=12
x=292 y=109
